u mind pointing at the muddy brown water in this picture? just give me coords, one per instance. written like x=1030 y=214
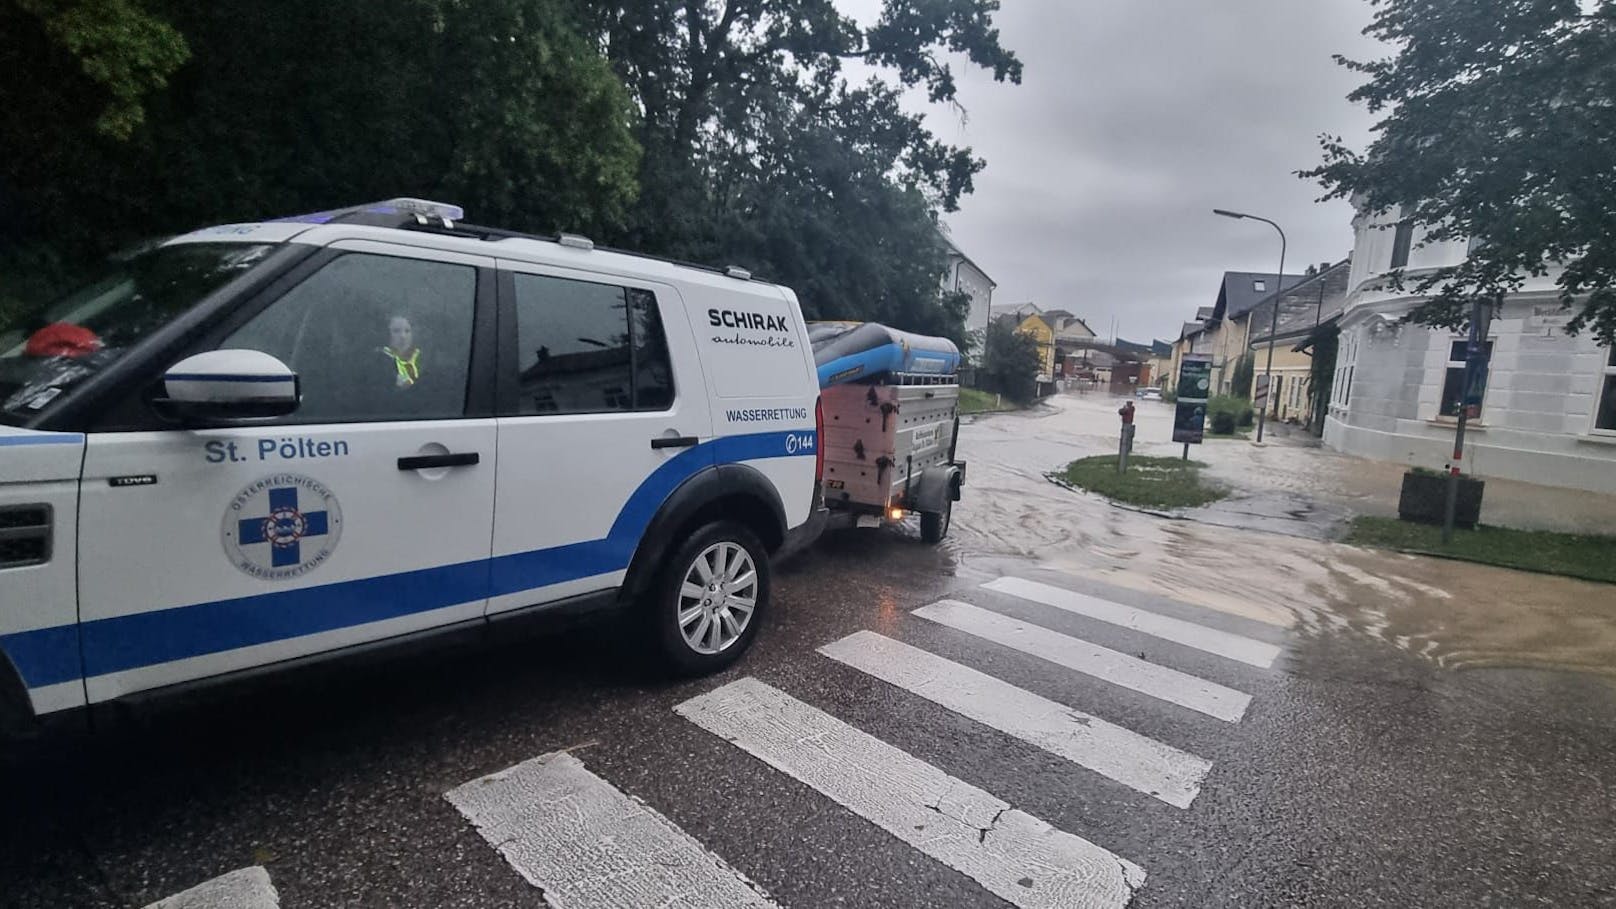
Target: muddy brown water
x=1458 y=615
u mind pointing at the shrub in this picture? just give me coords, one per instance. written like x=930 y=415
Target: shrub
x=1010 y=361
x=1222 y=423
x=1238 y=409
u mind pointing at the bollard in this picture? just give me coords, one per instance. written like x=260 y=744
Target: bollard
x=1126 y=444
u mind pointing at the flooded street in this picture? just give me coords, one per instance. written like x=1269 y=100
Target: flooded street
x=1066 y=704
x=1456 y=614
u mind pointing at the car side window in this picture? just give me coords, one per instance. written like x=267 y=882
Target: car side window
x=584 y=347
x=373 y=338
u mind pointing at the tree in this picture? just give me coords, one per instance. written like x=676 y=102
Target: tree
x=1499 y=127
x=301 y=105
x=1245 y=367
x=1010 y=360
x=121 y=49
x=758 y=152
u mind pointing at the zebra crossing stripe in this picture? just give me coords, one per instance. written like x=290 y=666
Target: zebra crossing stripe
x=588 y=845
x=1104 y=664
x=246 y=888
x=1014 y=855
x=1141 y=763
x=1223 y=643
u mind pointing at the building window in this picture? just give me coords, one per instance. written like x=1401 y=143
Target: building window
x=1402 y=241
x=1605 y=416
x=1259 y=286
x=1341 y=388
x=1453 y=383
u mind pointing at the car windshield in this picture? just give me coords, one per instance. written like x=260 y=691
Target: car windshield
x=46 y=350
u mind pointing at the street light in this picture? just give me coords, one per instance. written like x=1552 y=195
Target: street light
x=1273 y=327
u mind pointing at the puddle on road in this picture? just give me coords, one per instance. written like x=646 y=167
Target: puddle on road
x=1456 y=614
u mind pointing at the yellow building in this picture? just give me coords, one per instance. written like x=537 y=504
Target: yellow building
x=1039 y=330
x=1314 y=301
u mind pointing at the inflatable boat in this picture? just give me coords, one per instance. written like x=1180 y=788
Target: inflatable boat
x=860 y=351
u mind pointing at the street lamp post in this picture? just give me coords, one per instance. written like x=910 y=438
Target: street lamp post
x=1273 y=326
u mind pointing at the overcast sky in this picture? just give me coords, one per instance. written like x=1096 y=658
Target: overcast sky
x=1134 y=119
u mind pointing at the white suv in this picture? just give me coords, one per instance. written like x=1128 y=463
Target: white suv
x=266 y=442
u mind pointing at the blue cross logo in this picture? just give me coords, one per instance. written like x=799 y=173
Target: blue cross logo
x=283 y=528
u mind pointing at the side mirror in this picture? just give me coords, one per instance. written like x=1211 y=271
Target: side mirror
x=228 y=385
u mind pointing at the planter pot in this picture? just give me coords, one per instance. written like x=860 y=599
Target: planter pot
x=1425 y=497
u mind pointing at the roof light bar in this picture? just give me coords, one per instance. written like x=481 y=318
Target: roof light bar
x=737 y=272
x=401 y=207
x=574 y=241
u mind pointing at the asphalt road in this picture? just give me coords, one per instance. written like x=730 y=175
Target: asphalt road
x=1359 y=768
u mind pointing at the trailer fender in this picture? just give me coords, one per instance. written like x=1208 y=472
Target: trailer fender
x=936 y=487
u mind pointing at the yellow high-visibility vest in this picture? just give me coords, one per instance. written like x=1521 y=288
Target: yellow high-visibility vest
x=409 y=369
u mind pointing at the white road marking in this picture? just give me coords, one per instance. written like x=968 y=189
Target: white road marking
x=1211 y=640
x=1107 y=665
x=589 y=845
x=1014 y=855
x=1134 y=760
x=247 y=888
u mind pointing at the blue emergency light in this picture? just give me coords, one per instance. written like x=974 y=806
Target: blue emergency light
x=401 y=211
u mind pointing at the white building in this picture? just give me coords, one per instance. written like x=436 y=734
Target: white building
x=1549 y=412
x=966 y=276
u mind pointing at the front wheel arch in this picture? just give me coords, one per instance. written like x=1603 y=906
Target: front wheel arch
x=735 y=492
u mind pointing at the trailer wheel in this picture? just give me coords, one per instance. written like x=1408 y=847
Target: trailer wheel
x=934 y=524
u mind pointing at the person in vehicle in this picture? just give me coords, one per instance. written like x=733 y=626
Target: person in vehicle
x=402 y=351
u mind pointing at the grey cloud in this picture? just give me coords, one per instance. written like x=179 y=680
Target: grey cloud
x=1135 y=119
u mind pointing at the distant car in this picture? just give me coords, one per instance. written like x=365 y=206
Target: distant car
x=1149 y=393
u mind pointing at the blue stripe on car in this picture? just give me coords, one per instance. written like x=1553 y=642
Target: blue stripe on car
x=50 y=655
x=44 y=438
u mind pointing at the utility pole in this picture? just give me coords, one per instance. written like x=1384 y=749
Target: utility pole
x=1475 y=373
x=1279 y=287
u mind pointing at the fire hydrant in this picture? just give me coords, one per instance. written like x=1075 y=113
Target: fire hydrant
x=1126 y=445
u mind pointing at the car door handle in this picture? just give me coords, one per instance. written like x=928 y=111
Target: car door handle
x=422 y=462
x=673 y=441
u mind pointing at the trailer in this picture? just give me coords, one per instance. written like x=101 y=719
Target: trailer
x=891 y=415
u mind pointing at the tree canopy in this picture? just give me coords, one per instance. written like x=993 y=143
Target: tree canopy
x=1499 y=126
x=722 y=131
x=758 y=150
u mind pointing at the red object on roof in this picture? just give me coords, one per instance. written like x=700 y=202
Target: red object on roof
x=62 y=339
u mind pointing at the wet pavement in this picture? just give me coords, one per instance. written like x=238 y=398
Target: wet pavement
x=1291 y=470
x=1431 y=733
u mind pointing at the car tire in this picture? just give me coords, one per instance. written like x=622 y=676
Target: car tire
x=934 y=524
x=728 y=566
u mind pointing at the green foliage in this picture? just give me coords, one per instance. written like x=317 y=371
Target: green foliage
x=713 y=130
x=975 y=400
x=1222 y=423
x=501 y=105
x=1574 y=555
x=1237 y=409
x=126 y=53
x=758 y=152
x=1149 y=482
x=1497 y=127
x=1240 y=379
x=1010 y=361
